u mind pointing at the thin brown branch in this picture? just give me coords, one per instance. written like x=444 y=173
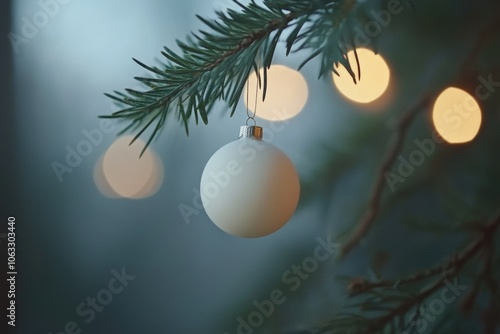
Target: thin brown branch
x=376 y=198
x=488 y=32
x=490 y=315
x=360 y=286
x=458 y=263
x=380 y=323
x=374 y=205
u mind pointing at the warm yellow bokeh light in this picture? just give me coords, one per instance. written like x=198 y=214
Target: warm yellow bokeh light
x=120 y=172
x=286 y=93
x=456 y=116
x=375 y=77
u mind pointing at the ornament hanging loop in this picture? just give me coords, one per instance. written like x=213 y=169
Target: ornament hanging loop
x=249 y=120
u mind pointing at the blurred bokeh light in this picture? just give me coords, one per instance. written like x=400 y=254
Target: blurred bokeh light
x=121 y=173
x=456 y=116
x=374 y=81
x=286 y=94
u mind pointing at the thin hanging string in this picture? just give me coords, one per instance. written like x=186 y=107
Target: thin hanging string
x=249 y=117
x=252 y=117
x=256 y=94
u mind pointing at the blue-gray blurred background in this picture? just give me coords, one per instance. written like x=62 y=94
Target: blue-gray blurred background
x=193 y=278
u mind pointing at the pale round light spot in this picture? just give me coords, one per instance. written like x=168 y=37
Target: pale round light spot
x=456 y=116
x=375 y=77
x=286 y=93
x=121 y=173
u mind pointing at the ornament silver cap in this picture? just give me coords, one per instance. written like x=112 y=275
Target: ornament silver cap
x=248 y=131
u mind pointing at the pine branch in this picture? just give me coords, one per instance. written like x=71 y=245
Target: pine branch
x=396 y=303
x=456 y=264
x=214 y=65
x=457 y=261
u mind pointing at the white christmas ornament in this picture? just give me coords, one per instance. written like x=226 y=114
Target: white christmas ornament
x=249 y=188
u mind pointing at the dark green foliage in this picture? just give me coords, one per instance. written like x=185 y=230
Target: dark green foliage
x=214 y=64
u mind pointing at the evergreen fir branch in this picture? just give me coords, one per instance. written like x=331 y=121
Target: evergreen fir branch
x=389 y=301
x=214 y=65
x=360 y=286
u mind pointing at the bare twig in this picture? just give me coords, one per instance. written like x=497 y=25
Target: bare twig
x=360 y=286
x=490 y=314
x=376 y=198
x=458 y=263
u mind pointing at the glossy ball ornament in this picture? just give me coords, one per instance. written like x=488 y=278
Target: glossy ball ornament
x=249 y=188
